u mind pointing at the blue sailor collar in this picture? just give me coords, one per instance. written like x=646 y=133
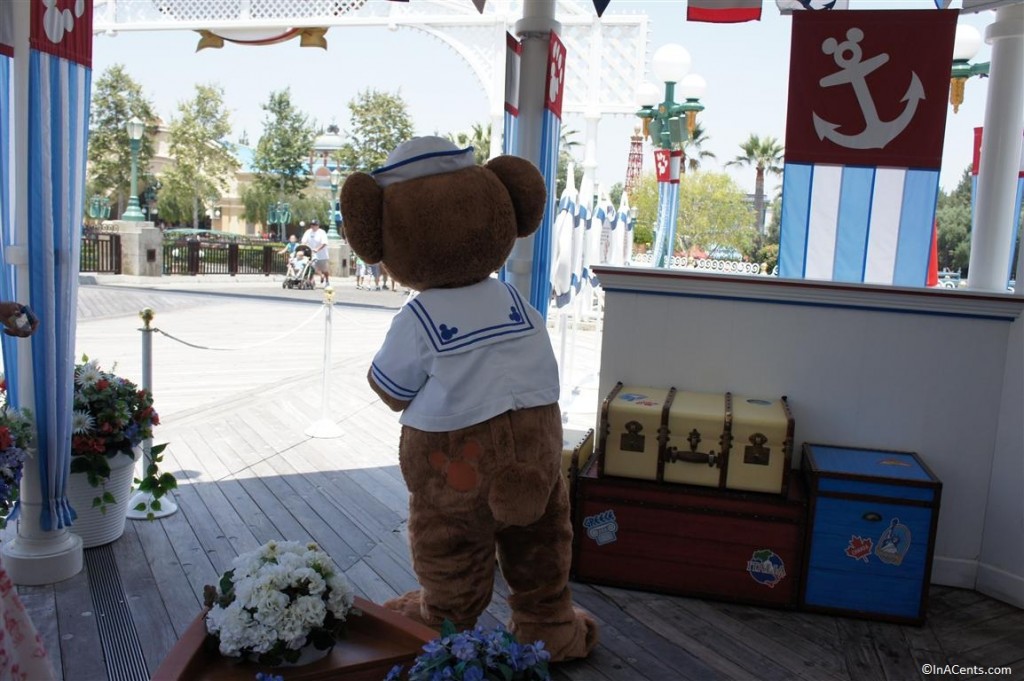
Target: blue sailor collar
x=464 y=318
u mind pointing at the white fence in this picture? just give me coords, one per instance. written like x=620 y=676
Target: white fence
x=682 y=262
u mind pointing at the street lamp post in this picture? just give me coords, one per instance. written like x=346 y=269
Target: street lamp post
x=965 y=47
x=99 y=208
x=279 y=213
x=664 y=125
x=133 y=213
x=332 y=231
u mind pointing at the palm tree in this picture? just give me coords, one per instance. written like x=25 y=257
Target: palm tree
x=766 y=155
x=693 y=154
x=479 y=138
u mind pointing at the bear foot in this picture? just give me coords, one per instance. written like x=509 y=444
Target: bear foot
x=411 y=605
x=564 y=640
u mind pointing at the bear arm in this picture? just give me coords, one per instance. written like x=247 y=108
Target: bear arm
x=394 y=403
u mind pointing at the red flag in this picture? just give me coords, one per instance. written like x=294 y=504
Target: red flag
x=723 y=11
x=63 y=28
x=933 y=259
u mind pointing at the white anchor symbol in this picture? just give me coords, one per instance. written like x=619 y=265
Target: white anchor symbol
x=877 y=133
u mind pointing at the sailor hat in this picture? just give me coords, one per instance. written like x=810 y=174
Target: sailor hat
x=422 y=156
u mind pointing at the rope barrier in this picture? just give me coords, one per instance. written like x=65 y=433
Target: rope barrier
x=282 y=336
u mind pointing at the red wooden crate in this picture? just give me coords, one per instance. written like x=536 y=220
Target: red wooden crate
x=689 y=540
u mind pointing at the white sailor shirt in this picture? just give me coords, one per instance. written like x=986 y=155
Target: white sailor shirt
x=461 y=356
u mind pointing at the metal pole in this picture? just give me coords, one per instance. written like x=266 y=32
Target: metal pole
x=325 y=427
x=145 y=499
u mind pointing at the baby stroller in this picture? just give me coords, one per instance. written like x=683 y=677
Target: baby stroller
x=300 y=270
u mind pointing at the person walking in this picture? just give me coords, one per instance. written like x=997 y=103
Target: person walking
x=316 y=239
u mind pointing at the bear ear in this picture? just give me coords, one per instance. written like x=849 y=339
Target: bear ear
x=362 y=207
x=525 y=185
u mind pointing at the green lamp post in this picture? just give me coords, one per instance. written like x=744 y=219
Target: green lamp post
x=965 y=46
x=669 y=126
x=99 y=208
x=135 y=129
x=279 y=214
x=332 y=231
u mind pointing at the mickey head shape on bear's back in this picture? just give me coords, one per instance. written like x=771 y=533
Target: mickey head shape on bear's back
x=446 y=230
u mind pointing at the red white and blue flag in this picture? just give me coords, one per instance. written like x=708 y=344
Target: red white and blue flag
x=790 y=6
x=723 y=11
x=864 y=133
x=1018 y=200
x=550 y=138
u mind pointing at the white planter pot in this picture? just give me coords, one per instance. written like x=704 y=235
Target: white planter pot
x=94 y=526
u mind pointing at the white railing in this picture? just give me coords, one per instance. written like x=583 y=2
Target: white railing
x=682 y=262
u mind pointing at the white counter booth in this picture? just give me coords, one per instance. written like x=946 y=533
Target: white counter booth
x=937 y=372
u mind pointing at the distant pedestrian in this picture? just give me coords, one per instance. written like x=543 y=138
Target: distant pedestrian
x=360 y=271
x=373 y=271
x=316 y=239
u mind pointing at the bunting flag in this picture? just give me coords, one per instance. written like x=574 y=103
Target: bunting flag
x=943 y=4
x=790 y=6
x=564 y=238
x=975 y=165
x=60 y=74
x=550 y=138
x=723 y=11
x=864 y=133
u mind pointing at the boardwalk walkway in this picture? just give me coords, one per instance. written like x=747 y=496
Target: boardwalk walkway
x=235 y=420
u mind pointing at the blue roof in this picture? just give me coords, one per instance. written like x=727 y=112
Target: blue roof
x=245 y=156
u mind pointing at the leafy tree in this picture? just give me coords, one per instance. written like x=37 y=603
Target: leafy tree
x=766 y=156
x=479 y=138
x=713 y=213
x=380 y=122
x=281 y=158
x=953 y=215
x=766 y=245
x=116 y=99
x=693 y=151
x=204 y=160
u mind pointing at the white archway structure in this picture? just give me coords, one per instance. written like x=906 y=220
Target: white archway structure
x=607 y=55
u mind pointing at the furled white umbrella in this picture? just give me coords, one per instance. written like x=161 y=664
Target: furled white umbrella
x=562 y=257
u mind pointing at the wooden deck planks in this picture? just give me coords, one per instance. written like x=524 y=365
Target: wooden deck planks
x=248 y=473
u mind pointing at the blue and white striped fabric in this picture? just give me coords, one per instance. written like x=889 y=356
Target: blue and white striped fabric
x=513 y=62
x=1018 y=200
x=857 y=224
x=59 y=91
x=668 y=213
x=540 y=276
x=619 y=252
x=7 y=291
x=584 y=223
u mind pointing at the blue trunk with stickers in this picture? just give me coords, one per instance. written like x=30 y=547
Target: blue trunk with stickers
x=872 y=532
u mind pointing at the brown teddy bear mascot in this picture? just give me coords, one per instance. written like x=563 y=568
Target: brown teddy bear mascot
x=469 y=364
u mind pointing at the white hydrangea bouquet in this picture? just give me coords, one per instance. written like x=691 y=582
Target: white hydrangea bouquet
x=277 y=603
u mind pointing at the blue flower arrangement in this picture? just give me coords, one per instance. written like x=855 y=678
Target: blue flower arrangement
x=476 y=655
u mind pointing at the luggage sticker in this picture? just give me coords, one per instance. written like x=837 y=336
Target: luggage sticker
x=637 y=398
x=859 y=548
x=602 y=527
x=894 y=543
x=766 y=567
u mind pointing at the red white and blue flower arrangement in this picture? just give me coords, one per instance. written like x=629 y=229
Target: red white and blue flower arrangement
x=15 y=438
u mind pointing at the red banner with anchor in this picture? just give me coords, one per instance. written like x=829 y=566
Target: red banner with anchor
x=869 y=87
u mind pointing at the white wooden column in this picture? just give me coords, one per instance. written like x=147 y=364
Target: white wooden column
x=991 y=239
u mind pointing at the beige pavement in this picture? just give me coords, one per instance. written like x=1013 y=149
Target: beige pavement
x=220 y=340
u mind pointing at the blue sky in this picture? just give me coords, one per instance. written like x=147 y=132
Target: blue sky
x=746 y=67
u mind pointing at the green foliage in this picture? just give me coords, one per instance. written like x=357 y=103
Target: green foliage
x=479 y=138
x=281 y=158
x=953 y=215
x=116 y=99
x=380 y=122
x=713 y=213
x=156 y=483
x=204 y=160
x=766 y=157
x=693 y=151
x=766 y=246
